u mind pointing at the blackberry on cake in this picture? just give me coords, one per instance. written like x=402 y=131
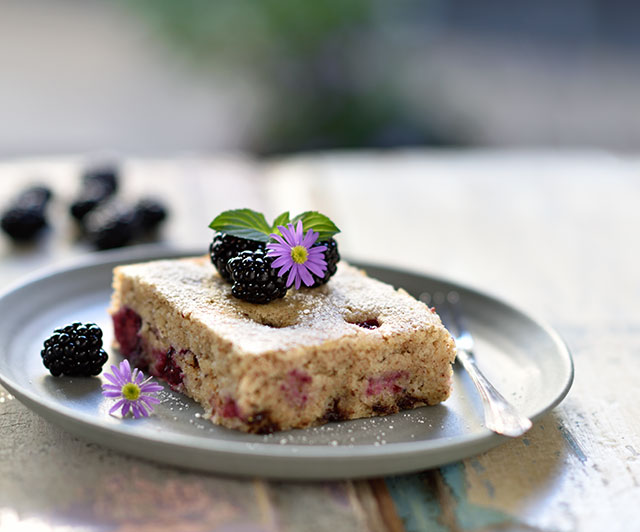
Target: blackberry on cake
x=254 y=279
x=332 y=257
x=224 y=247
x=75 y=351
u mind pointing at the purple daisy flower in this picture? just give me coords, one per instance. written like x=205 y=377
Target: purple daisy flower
x=295 y=253
x=134 y=391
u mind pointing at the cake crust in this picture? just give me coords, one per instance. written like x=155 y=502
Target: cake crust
x=355 y=347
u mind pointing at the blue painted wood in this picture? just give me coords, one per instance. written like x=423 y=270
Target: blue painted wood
x=418 y=499
x=416 y=502
x=469 y=516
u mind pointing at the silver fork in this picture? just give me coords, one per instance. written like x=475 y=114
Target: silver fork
x=499 y=415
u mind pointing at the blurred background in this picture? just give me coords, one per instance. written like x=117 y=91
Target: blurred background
x=277 y=76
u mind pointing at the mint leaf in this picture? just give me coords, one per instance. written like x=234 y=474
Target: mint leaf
x=318 y=223
x=283 y=219
x=243 y=223
x=247 y=223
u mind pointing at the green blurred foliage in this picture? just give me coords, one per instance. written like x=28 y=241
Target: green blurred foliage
x=311 y=56
x=253 y=33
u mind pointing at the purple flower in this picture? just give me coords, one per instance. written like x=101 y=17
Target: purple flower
x=296 y=254
x=134 y=392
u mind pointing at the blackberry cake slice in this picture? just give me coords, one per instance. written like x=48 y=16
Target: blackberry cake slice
x=354 y=347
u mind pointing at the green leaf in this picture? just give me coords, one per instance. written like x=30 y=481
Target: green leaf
x=243 y=223
x=318 y=222
x=283 y=219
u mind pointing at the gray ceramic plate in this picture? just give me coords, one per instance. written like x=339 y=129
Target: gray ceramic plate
x=525 y=359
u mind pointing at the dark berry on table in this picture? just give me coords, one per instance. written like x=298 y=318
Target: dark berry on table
x=150 y=213
x=107 y=175
x=35 y=197
x=99 y=183
x=111 y=225
x=253 y=278
x=332 y=257
x=22 y=224
x=224 y=247
x=75 y=351
x=91 y=195
x=25 y=217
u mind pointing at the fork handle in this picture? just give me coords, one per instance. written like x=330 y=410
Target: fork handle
x=499 y=414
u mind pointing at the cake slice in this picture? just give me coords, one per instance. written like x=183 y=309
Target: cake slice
x=354 y=347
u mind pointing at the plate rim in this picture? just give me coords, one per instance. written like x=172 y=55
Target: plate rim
x=465 y=444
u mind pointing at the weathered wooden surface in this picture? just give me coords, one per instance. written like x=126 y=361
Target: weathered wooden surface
x=554 y=234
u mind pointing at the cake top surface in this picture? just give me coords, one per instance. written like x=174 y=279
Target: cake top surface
x=303 y=317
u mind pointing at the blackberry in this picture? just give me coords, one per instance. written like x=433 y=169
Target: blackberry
x=224 y=247
x=98 y=185
x=112 y=225
x=89 y=198
x=75 y=351
x=254 y=280
x=26 y=216
x=332 y=256
x=106 y=175
x=22 y=224
x=35 y=197
x=150 y=213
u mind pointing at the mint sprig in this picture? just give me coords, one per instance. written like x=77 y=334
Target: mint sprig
x=283 y=219
x=252 y=225
x=319 y=223
x=243 y=223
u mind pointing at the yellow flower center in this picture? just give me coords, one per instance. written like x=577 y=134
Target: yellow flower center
x=299 y=254
x=131 y=391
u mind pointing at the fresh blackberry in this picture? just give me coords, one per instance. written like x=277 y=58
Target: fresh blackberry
x=75 y=351
x=35 y=197
x=91 y=195
x=332 y=256
x=112 y=225
x=98 y=185
x=254 y=280
x=26 y=215
x=224 y=247
x=107 y=175
x=150 y=213
x=22 y=224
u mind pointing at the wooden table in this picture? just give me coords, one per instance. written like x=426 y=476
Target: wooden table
x=556 y=234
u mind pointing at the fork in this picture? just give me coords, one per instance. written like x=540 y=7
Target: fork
x=500 y=416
